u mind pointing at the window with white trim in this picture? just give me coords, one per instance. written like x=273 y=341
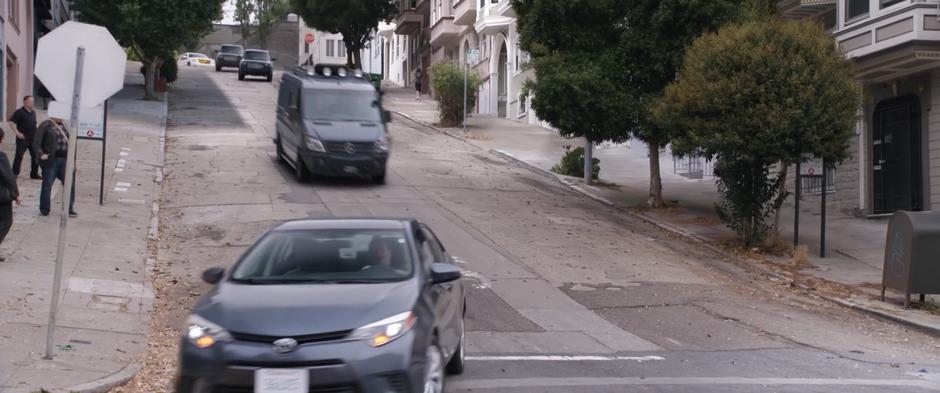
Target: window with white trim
x=330 y=48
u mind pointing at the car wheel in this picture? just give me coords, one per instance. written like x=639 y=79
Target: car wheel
x=241 y=76
x=185 y=385
x=300 y=169
x=280 y=151
x=456 y=364
x=189 y=64
x=434 y=375
x=379 y=179
x=270 y=77
x=218 y=68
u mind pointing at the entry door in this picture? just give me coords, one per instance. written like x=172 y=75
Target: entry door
x=896 y=155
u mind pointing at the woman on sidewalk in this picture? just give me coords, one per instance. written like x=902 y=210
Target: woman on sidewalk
x=9 y=194
x=419 y=75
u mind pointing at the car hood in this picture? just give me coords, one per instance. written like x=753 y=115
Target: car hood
x=302 y=309
x=346 y=131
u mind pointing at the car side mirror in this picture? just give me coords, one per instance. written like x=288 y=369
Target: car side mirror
x=444 y=272
x=386 y=116
x=213 y=275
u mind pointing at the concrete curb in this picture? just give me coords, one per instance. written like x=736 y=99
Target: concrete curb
x=931 y=330
x=105 y=384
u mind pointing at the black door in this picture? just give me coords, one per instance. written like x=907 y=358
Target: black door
x=896 y=155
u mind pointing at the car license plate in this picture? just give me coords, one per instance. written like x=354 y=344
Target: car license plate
x=275 y=380
x=350 y=169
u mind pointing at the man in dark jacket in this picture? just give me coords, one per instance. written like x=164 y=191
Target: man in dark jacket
x=25 y=121
x=9 y=194
x=52 y=145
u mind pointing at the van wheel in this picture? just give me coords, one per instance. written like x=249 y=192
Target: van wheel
x=379 y=179
x=300 y=169
x=280 y=151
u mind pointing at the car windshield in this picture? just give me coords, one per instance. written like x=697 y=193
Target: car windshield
x=337 y=256
x=341 y=105
x=231 y=49
x=256 y=55
x=197 y=55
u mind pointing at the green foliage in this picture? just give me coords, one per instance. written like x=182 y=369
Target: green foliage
x=746 y=192
x=759 y=93
x=447 y=80
x=169 y=71
x=153 y=29
x=244 y=9
x=356 y=20
x=572 y=164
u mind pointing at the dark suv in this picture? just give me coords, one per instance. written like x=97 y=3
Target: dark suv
x=256 y=62
x=228 y=56
x=330 y=121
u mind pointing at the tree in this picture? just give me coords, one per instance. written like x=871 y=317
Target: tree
x=154 y=30
x=356 y=20
x=755 y=94
x=632 y=49
x=656 y=35
x=244 y=9
x=260 y=16
x=575 y=89
x=448 y=81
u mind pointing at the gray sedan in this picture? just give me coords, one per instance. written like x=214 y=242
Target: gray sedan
x=353 y=305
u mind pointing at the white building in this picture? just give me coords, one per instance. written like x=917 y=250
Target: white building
x=322 y=47
x=395 y=52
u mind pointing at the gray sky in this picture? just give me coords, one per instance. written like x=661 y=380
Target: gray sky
x=228 y=9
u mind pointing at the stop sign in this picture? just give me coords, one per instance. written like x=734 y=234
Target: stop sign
x=308 y=38
x=103 y=72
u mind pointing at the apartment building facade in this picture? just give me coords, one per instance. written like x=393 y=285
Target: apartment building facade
x=323 y=47
x=22 y=23
x=895 y=45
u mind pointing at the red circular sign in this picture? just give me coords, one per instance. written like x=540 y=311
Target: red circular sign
x=90 y=133
x=308 y=38
x=812 y=171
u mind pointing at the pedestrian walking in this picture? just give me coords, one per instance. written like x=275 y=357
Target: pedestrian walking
x=419 y=75
x=9 y=194
x=25 y=121
x=52 y=145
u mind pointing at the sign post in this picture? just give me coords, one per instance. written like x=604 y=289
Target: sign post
x=78 y=91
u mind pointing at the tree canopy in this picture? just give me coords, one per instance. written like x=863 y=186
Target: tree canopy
x=616 y=56
x=356 y=20
x=152 y=29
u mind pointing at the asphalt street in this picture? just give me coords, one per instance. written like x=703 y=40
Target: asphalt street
x=566 y=295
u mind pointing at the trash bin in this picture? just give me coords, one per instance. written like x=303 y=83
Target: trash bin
x=912 y=255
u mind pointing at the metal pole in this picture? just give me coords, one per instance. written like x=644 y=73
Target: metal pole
x=588 y=160
x=66 y=199
x=466 y=71
x=822 y=214
x=104 y=147
x=798 y=188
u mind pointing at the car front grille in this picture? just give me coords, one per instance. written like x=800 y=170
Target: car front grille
x=357 y=147
x=315 y=389
x=305 y=339
x=279 y=364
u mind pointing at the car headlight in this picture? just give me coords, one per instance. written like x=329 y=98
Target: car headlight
x=314 y=144
x=382 y=144
x=204 y=334
x=385 y=331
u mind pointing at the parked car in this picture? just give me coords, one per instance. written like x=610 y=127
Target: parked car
x=256 y=62
x=191 y=59
x=228 y=56
x=329 y=305
x=330 y=121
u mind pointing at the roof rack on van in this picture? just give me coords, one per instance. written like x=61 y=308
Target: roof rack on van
x=327 y=70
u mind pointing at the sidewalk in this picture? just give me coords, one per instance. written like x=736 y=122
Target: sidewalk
x=103 y=314
x=850 y=274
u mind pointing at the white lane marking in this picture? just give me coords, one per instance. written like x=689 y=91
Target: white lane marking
x=123 y=154
x=126 y=148
x=688 y=381
x=119 y=169
x=120 y=189
x=121 y=163
x=123 y=184
x=566 y=358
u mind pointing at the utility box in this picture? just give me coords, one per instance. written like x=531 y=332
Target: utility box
x=912 y=255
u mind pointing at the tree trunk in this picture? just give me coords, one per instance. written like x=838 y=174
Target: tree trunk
x=588 y=161
x=150 y=78
x=357 y=59
x=781 y=197
x=656 y=181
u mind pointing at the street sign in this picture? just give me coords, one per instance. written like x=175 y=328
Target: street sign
x=90 y=120
x=473 y=56
x=55 y=62
x=309 y=38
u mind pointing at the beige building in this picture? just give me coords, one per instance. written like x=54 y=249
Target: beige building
x=18 y=33
x=895 y=44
